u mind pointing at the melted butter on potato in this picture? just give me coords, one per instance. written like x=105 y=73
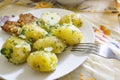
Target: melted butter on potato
x=49 y=20
x=16 y=50
x=43 y=61
x=32 y=32
x=68 y=33
x=50 y=41
x=71 y=18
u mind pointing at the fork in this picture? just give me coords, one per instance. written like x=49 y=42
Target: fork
x=97 y=49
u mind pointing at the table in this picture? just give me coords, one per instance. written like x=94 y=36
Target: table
x=95 y=66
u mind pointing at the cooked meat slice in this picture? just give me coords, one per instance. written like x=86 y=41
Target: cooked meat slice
x=14 y=27
x=26 y=18
x=11 y=27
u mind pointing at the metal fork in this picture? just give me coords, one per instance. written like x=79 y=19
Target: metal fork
x=92 y=48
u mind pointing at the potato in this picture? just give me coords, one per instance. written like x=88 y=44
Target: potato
x=71 y=18
x=69 y=33
x=50 y=41
x=16 y=50
x=42 y=61
x=49 y=20
x=32 y=32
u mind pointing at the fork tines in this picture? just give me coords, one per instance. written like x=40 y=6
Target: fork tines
x=86 y=48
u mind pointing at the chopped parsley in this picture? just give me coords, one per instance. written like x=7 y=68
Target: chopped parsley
x=3 y=51
x=73 y=31
x=23 y=32
x=38 y=23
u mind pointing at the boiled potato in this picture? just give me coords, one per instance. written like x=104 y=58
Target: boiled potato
x=69 y=33
x=16 y=50
x=71 y=18
x=50 y=41
x=49 y=20
x=42 y=61
x=32 y=32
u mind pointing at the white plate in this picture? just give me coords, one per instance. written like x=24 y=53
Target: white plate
x=67 y=60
